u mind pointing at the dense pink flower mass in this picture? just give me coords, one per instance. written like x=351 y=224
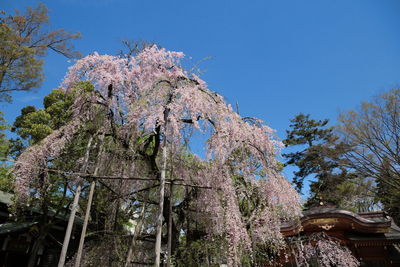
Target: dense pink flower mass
x=152 y=87
x=152 y=82
x=31 y=163
x=327 y=252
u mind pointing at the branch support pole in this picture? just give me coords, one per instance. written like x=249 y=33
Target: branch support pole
x=170 y=226
x=69 y=227
x=162 y=192
x=71 y=219
x=136 y=233
x=89 y=204
x=161 y=204
x=84 y=227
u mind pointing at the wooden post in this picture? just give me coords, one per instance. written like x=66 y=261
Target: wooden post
x=138 y=229
x=69 y=227
x=162 y=190
x=161 y=204
x=84 y=227
x=294 y=255
x=170 y=226
x=89 y=204
x=71 y=219
x=187 y=217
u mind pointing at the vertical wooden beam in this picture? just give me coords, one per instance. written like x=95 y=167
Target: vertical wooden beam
x=161 y=204
x=71 y=219
x=294 y=256
x=67 y=237
x=85 y=223
x=170 y=226
x=89 y=204
x=162 y=190
x=138 y=229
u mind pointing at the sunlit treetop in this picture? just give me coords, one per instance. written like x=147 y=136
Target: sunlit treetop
x=152 y=83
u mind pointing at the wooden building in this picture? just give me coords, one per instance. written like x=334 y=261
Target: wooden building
x=17 y=238
x=372 y=237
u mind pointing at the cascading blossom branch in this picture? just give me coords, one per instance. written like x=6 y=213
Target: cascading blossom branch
x=326 y=251
x=160 y=97
x=153 y=82
x=31 y=164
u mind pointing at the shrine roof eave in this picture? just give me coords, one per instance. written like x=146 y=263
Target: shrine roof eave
x=373 y=223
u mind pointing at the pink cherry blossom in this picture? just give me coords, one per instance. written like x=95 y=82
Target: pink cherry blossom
x=151 y=86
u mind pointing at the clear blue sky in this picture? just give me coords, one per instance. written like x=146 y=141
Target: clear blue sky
x=276 y=58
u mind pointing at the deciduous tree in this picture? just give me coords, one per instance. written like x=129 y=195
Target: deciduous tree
x=371 y=135
x=150 y=107
x=6 y=179
x=154 y=97
x=24 y=40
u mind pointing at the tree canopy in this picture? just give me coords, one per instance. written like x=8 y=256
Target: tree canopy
x=24 y=39
x=319 y=155
x=371 y=135
x=129 y=134
x=310 y=135
x=150 y=96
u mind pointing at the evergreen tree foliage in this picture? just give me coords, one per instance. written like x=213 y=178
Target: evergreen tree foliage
x=33 y=125
x=310 y=135
x=321 y=159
